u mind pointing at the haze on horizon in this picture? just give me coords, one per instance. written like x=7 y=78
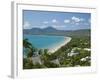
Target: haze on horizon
x=58 y=20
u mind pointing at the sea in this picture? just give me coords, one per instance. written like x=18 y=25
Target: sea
x=44 y=41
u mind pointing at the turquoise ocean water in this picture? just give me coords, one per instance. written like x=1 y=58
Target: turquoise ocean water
x=44 y=41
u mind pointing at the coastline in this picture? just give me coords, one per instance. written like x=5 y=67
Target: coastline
x=58 y=46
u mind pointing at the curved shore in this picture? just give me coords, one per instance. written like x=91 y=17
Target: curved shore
x=59 y=45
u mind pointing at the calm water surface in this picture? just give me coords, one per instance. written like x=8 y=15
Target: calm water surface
x=44 y=41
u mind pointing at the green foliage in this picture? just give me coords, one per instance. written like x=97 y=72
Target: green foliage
x=49 y=64
x=85 y=63
x=79 y=44
x=30 y=53
x=29 y=47
x=37 y=65
x=41 y=52
x=26 y=43
x=27 y=63
x=45 y=51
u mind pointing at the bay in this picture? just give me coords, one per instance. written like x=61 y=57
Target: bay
x=44 y=41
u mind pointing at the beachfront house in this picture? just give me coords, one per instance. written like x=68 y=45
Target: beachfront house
x=35 y=54
x=72 y=53
x=85 y=59
x=36 y=59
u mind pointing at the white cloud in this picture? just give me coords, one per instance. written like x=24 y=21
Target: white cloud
x=26 y=25
x=77 y=19
x=66 y=21
x=54 y=21
x=45 y=22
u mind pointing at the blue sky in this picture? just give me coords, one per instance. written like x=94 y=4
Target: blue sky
x=58 y=20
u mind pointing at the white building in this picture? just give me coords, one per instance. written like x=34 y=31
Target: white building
x=84 y=59
x=36 y=59
x=72 y=53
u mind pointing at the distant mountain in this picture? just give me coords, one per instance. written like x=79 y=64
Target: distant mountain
x=32 y=31
x=39 y=31
x=49 y=29
x=52 y=31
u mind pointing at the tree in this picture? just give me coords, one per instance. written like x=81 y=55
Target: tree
x=27 y=44
x=37 y=65
x=30 y=53
x=27 y=63
x=40 y=51
x=49 y=64
x=45 y=51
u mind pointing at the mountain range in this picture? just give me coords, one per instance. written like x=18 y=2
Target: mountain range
x=52 y=31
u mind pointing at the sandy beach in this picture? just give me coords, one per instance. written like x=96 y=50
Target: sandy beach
x=59 y=45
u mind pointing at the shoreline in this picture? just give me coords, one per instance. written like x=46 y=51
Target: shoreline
x=58 y=46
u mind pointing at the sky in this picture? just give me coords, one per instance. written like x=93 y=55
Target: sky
x=58 y=20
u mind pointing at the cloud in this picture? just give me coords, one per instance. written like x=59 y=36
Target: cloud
x=26 y=25
x=45 y=22
x=54 y=21
x=66 y=21
x=77 y=19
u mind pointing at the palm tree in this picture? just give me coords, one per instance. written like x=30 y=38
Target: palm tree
x=27 y=44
